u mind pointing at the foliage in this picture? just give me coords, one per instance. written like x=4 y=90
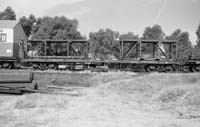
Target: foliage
x=27 y=23
x=153 y=33
x=198 y=36
x=129 y=35
x=184 y=46
x=8 y=14
x=56 y=28
x=104 y=44
x=197 y=46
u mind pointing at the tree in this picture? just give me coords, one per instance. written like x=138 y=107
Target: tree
x=129 y=35
x=104 y=43
x=175 y=35
x=197 y=46
x=27 y=23
x=56 y=28
x=184 y=46
x=198 y=35
x=8 y=14
x=153 y=33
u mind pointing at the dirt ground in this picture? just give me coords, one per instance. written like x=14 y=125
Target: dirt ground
x=114 y=99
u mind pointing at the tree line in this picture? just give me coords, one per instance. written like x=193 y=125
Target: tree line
x=104 y=41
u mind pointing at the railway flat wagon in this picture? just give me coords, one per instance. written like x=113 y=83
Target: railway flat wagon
x=151 y=55
x=144 y=55
x=57 y=54
x=193 y=63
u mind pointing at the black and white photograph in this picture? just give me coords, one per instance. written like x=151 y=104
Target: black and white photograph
x=99 y=63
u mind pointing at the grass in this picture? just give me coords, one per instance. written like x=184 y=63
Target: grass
x=175 y=93
x=108 y=99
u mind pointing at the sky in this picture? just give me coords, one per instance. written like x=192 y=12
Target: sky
x=119 y=15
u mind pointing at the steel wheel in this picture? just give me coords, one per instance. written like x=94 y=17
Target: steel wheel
x=43 y=67
x=35 y=66
x=150 y=68
x=52 y=66
x=169 y=68
x=195 y=68
x=7 y=65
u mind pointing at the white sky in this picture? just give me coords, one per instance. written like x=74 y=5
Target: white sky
x=120 y=15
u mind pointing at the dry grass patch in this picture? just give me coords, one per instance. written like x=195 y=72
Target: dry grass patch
x=113 y=99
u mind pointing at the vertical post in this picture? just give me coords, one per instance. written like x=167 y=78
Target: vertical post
x=121 y=53
x=56 y=48
x=159 y=50
x=31 y=49
x=170 y=50
x=122 y=49
x=66 y=44
x=176 y=50
x=140 y=46
x=153 y=50
x=88 y=48
x=45 y=48
x=70 y=44
x=136 y=49
x=68 y=48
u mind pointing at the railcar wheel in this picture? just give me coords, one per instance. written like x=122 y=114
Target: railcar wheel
x=195 y=68
x=1 y=65
x=43 y=67
x=35 y=66
x=7 y=65
x=198 y=68
x=160 y=68
x=52 y=66
x=169 y=68
x=10 y=66
x=192 y=68
x=150 y=68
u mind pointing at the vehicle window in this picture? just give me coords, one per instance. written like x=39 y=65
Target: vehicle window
x=2 y=37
